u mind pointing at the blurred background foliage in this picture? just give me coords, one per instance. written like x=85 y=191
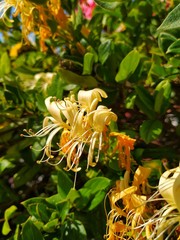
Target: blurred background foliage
x=130 y=49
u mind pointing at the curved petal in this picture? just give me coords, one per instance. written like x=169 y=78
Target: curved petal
x=89 y=99
x=101 y=118
x=49 y=141
x=169 y=183
x=53 y=109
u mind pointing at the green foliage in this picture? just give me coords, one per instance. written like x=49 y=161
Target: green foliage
x=125 y=49
x=128 y=66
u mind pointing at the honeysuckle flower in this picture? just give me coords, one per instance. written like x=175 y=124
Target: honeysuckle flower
x=79 y=123
x=123 y=146
x=35 y=18
x=166 y=219
x=124 y=218
x=89 y=99
x=100 y=120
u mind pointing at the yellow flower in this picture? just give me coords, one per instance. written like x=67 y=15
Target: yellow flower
x=89 y=99
x=128 y=206
x=81 y=123
x=35 y=18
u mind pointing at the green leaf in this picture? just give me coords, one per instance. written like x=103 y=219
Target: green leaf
x=74 y=229
x=63 y=208
x=71 y=77
x=54 y=199
x=64 y=184
x=144 y=101
x=96 y=184
x=5 y=64
x=93 y=192
x=56 y=87
x=73 y=195
x=150 y=130
x=172 y=21
x=128 y=66
x=51 y=225
x=88 y=63
x=31 y=232
x=43 y=212
x=39 y=208
x=104 y=51
x=97 y=199
x=130 y=100
x=8 y=214
x=17 y=233
x=5 y=164
x=162 y=96
x=108 y=4
x=165 y=40
x=174 y=47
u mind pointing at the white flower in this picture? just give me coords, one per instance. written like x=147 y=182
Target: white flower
x=167 y=218
x=89 y=99
x=101 y=118
x=81 y=124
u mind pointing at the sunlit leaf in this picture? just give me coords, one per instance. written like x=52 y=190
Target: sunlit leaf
x=162 y=96
x=7 y=216
x=128 y=66
x=172 y=21
x=88 y=63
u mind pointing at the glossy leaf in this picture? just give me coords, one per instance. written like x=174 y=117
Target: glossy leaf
x=88 y=63
x=51 y=225
x=150 y=130
x=128 y=66
x=5 y=64
x=7 y=216
x=93 y=192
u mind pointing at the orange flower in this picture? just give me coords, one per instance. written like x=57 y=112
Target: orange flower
x=128 y=206
x=39 y=19
x=124 y=145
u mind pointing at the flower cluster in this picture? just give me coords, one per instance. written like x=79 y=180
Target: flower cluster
x=38 y=18
x=81 y=123
x=125 y=217
x=133 y=213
